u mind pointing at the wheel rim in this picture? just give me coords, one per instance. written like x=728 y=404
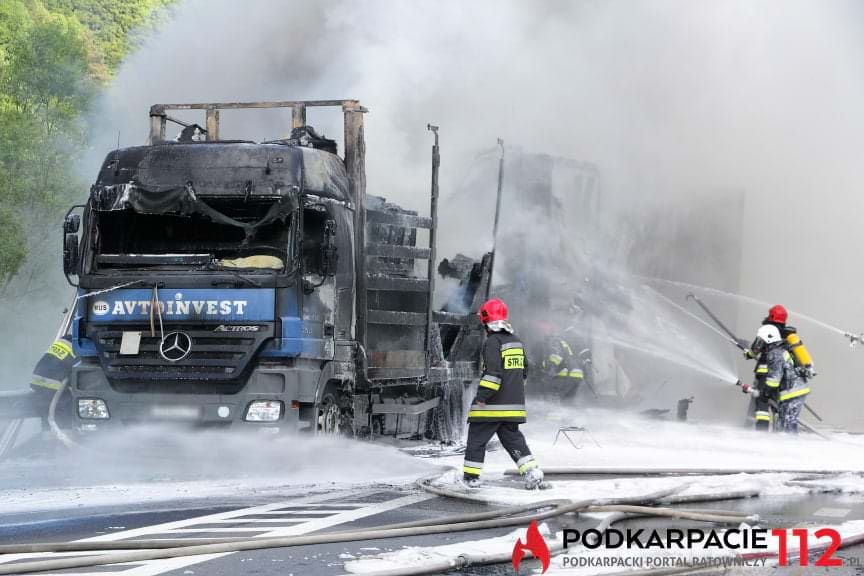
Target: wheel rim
x=329 y=420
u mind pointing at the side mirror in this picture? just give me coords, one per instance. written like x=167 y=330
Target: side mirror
x=329 y=255
x=71 y=224
x=70 y=254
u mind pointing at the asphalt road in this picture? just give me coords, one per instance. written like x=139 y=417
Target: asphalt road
x=296 y=514
x=305 y=511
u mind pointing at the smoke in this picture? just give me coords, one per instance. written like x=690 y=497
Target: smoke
x=685 y=108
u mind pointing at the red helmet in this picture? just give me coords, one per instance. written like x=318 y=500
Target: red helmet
x=777 y=314
x=492 y=311
x=546 y=328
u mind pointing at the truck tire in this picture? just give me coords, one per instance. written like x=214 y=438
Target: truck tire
x=335 y=417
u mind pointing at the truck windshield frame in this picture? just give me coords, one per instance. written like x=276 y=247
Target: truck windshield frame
x=126 y=241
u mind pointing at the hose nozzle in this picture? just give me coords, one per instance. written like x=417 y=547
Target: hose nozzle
x=854 y=339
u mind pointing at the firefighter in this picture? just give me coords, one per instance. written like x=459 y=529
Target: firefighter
x=562 y=364
x=52 y=370
x=577 y=335
x=777 y=381
x=499 y=406
x=777 y=316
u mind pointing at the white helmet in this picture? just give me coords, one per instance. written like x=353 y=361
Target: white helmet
x=768 y=334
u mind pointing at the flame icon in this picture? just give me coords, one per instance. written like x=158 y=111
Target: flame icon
x=535 y=544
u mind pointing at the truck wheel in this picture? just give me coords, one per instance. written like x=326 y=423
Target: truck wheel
x=333 y=418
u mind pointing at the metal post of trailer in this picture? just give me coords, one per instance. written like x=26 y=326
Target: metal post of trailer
x=355 y=164
x=157 y=126
x=298 y=116
x=433 y=215
x=212 y=124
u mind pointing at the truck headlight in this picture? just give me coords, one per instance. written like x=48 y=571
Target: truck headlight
x=93 y=409
x=263 y=411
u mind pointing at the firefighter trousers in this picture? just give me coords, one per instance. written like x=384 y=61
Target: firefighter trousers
x=764 y=408
x=563 y=389
x=790 y=411
x=479 y=434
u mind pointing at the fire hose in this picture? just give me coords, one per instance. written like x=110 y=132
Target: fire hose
x=734 y=339
x=620 y=511
x=630 y=471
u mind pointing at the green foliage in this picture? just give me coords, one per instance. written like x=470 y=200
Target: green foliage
x=12 y=249
x=116 y=24
x=46 y=70
x=54 y=54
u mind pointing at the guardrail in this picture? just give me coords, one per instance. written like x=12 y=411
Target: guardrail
x=16 y=407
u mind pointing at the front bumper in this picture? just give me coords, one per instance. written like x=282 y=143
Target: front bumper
x=294 y=387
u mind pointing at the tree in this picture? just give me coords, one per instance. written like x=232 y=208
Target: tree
x=44 y=86
x=116 y=25
x=54 y=55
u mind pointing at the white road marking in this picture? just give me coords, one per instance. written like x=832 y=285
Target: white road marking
x=315 y=524
x=263 y=520
x=215 y=530
x=168 y=526
x=337 y=515
x=286 y=512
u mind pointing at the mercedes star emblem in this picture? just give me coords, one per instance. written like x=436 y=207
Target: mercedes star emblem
x=175 y=346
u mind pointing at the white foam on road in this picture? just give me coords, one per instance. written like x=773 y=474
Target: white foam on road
x=193 y=467
x=770 y=484
x=619 y=439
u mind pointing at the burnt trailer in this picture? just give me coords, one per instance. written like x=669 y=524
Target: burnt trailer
x=235 y=284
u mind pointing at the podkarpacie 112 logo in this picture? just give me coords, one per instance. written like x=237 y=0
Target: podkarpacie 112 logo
x=535 y=544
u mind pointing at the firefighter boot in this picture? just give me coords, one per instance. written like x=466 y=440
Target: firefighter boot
x=471 y=481
x=534 y=480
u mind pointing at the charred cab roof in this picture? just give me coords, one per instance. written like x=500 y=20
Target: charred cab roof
x=228 y=168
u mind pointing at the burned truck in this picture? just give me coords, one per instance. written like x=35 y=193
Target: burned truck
x=238 y=284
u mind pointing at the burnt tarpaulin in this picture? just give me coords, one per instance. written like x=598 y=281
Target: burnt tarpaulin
x=228 y=169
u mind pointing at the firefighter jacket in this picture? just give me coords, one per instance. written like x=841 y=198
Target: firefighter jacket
x=54 y=366
x=501 y=393
x=560 y=360
x=776 y=374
